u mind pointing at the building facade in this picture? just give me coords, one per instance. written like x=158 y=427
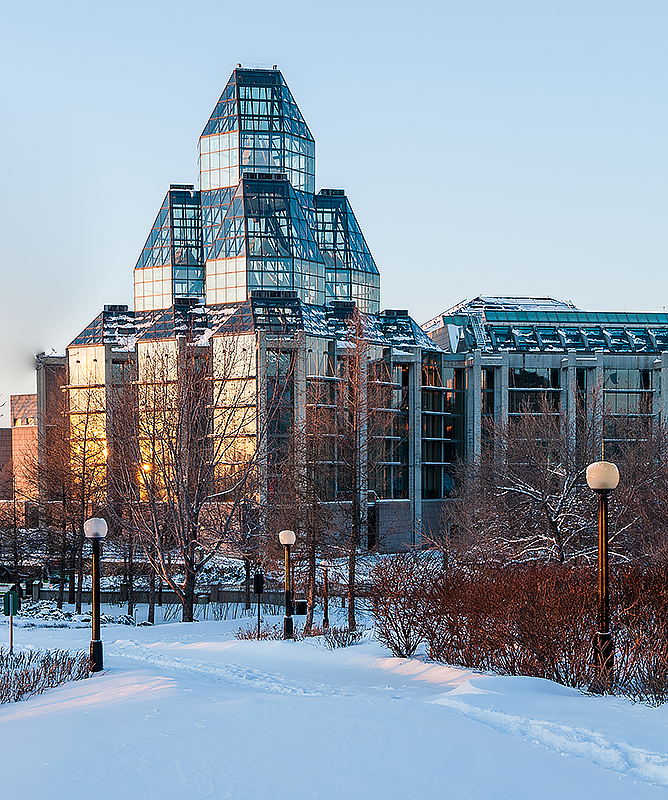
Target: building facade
x=251 y=259
x=18 y=449
x=518 y=354
x=254 y=255
x=18 y=454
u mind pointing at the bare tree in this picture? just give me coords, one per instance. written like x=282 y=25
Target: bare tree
x=72 y=475
x=186 y=458
x=528 y=498
x=361 y=418
x=322 y=459
x=300 y=489
x=20 y=543
x=640 y=503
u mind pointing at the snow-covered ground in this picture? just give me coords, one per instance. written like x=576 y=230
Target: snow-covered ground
x=188 y=711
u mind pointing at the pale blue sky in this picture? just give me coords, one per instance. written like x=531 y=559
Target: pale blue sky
x=502 y=147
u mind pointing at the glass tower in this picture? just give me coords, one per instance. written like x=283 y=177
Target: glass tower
x=171 y=264
x=256 y=222
x=350 y=271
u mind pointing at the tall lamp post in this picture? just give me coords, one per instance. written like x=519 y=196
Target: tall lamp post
x=603 y=477
x=287 y=538
x=95 y=530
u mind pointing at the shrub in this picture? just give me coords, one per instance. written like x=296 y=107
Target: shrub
x=275 y=632
x=401 y=585
x=532 y=619
x=30 y=672
x=342 y=637
x=640 y=631
x=524 y=620
x=266 y=632
x=314 y=630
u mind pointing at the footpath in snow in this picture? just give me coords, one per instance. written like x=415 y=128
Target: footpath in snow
x=188 y=711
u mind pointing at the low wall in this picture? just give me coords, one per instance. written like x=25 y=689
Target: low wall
x=214 y=595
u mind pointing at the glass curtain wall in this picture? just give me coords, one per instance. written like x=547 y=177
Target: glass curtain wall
x=257 y=235
x=171 y=263
x=280 y=414
x=350 y=271
x=530 y=389
x=186 y=240
x=628 y=398
x=255 y=222
x=388 y=430
x=443 y=404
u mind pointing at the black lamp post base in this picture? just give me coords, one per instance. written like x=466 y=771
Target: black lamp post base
x=287 y=628
x=96 y=655
x=603 y=663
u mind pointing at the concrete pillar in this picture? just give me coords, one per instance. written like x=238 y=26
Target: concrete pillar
x=300 y=364
x=299 y=409
x=415 y=446
x=363 y=436
x=598 y=407
x=501 y=391
x=474 y=407
x=500 y=402
x=569 y=399
x=261 y=435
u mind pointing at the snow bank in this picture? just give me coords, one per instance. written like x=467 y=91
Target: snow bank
x=188 y=711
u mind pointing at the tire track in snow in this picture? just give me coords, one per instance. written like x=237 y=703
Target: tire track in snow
x=228 y=673
x=571 y=740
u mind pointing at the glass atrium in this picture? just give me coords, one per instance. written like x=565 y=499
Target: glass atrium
x=256 y=223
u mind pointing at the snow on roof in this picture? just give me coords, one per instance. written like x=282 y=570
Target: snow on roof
x=487 y=303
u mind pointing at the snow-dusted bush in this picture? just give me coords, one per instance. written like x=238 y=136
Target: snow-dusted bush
x=266 y=632
x=30 y=672
x=401 y=585
x=533 y=619
x=46 y=614
x=343 y=637
x=528 y=619
x=640 y=631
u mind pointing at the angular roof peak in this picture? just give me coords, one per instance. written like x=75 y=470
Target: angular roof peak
x=253 y=93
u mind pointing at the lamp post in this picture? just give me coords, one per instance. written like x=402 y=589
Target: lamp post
x=95 y=530
x=603 y=477
x=287 y=538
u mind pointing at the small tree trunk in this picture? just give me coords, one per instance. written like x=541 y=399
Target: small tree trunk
x=311 y=586
x=353 y=542
x=70 y=582
x=351 y=588
x=352 y=559
x=189 y=595
x=130 y=579
x=247 y=567
x=61 y=572
x=558 y=542
x=151 y=597
x=79 y=595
